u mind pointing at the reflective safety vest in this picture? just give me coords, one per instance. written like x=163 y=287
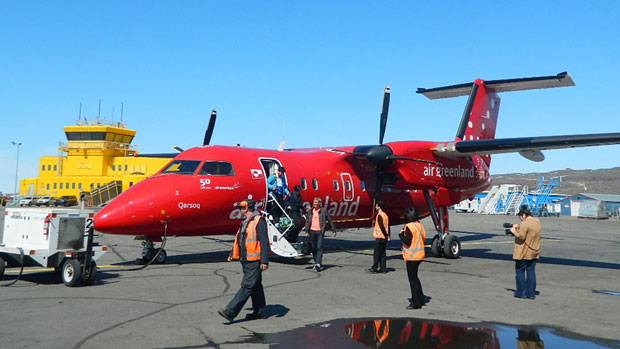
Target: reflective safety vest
x=382 y=330
x=376 y=233
x=415 y=251
x=252 y=245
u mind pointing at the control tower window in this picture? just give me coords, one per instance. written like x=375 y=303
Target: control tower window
x=85 y=136
x=216 y=168
x=182 y=167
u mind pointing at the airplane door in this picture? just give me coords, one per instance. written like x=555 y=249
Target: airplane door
x=347 y=187
x=269 y=167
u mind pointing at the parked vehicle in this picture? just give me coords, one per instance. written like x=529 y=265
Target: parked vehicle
x=45 y=200
x=66 y=200
x=26 y=201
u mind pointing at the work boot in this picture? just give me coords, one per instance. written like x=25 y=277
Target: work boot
x=226 y=315
x=255 y=316
x=411 y=306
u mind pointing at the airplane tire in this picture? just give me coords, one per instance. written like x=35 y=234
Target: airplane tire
x=71 y=272
x=435 y=249
x=2 y=266
x=93 y=274
x=161 y=258
x=452 y=247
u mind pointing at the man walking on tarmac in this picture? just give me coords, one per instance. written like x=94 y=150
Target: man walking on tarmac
x=251 y=247
x=381 y=233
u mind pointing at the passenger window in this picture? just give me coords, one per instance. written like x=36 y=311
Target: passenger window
x=336 y=186
x=347 y=185
x=216 y=168
x=61 y=185
x=362 y=185
x=315 y=184
x=187 y=167
x=304 y=184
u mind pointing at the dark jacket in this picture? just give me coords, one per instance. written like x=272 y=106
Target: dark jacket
x=323 y=216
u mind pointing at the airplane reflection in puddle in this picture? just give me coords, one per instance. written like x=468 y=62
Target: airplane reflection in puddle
x=419 y=333
x=412 y=333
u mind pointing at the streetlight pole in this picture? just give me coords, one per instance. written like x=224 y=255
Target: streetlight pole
x=16 y=166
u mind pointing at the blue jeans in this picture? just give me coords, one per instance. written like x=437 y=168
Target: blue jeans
x=251 y=286
x=316 y=246
x=525 y=276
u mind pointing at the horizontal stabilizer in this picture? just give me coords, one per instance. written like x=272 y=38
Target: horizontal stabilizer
x=526 y=145
x=506 y=85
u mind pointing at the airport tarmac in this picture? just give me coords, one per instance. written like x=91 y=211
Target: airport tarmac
x=175 y=305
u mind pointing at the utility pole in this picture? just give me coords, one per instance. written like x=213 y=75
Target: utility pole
x=16 y=166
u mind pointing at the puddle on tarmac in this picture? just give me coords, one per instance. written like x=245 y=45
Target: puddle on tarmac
x=416 y=333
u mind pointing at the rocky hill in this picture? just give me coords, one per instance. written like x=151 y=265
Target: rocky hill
x=602 y=181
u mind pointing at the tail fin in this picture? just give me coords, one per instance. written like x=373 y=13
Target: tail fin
x=480 y=116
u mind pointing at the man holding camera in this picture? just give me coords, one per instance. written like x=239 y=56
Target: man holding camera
x=526 y=253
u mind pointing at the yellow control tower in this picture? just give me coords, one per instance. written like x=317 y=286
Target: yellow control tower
x=95 y=154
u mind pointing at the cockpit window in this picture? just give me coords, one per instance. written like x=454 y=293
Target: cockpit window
x=216 y=168
x=182 y=167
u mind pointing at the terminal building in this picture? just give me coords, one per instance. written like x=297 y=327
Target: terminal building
x=94 y=155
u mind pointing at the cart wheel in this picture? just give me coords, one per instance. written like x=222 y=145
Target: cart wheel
x=71 y=272
x=93 y=274
x=2 y=266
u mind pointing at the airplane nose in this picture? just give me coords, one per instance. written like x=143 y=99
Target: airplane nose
x=110 y=219
x=130 y=213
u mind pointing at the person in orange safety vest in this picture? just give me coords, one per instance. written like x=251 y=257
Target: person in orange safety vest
x=412 y=237
x=381 y=233
x=251 y=247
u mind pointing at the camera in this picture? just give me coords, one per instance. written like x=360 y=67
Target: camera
x=508 y=226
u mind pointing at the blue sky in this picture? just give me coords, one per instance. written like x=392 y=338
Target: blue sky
x=309 y=72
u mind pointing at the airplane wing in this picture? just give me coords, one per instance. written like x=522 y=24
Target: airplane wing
x=529 y=147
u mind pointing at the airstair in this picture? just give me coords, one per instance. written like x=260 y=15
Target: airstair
x=487 y=201
x=498 y=199
x=540 y=196
x=517 y=198
x=277 y=232
x=105 y=193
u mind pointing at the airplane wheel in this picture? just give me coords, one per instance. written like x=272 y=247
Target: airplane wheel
x=161 y=258
x=435 y=249
x=93 y=274
x=71 y=272
x=452 y=247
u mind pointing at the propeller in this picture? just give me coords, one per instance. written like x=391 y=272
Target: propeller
x=210 y=126
x=381 y=156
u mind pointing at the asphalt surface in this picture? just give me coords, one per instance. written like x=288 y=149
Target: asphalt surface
x=175 y=305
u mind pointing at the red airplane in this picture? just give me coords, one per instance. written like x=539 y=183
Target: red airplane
x=194 y=195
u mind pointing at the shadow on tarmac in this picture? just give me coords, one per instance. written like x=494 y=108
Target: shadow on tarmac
x=485 y=254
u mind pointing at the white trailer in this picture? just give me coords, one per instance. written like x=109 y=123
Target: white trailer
x=56 y=238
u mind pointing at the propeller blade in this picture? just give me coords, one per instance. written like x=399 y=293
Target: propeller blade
x=384 y=113
x=179 y=149
x=210 y=126
x=378 y=185
x=398 y=157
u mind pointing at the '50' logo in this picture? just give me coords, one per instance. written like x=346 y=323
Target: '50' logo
x=204 y=183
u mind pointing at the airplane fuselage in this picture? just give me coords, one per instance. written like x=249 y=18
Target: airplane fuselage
x=201 y=202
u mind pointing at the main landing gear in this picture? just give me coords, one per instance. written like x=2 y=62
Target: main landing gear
x=443 y=244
